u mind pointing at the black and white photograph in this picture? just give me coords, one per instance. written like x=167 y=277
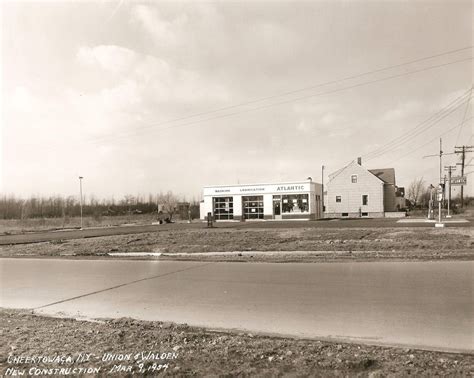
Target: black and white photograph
x=236 y=188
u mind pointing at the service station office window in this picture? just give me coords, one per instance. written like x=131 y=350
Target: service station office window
x=295 y=203
x=223 y=208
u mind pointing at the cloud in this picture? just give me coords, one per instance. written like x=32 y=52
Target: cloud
x=304 y=126
x=165 y=32
x=401 y=112
x=111 y=58
x=322 y=116
x=214 y=38
x=148 y=78
x=22 y=100
x=342 y=133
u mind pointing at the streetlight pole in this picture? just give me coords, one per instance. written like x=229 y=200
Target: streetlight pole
x=440 y=199
x=322 y=191
x=430 y=205
x=80 y=191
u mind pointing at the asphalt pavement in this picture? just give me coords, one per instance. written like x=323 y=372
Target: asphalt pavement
x=415 y=304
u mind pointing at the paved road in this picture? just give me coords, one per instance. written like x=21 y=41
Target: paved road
x=35 y=237
x=418 y=304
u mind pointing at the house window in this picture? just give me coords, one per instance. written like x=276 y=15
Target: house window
x=354 y=179
x=365 y=199
x=365 y=214
x=338 y=198
x=345 y=214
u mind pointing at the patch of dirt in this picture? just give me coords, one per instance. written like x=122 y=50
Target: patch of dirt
x=196 y=351
x=359 y=244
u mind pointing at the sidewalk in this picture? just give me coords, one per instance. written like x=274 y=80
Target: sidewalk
x=424 y=220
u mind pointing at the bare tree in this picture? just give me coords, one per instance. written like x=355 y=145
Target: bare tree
x=415 y=190
x=168 y=203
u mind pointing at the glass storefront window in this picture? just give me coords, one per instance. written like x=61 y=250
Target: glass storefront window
x=223 y=208
x=295 y=203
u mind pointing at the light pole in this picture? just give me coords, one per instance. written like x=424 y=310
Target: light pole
x=80 y=191
x=430 y=205
x=322 y=191
x=440 y=199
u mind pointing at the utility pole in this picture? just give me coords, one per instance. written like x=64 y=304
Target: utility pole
x=449 y=168
x=322 y=189
x=80 y=191
x=440 y=159
x=463 y=150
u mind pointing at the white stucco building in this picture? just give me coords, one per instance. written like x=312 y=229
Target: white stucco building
x=278 y=201
x=355 y=191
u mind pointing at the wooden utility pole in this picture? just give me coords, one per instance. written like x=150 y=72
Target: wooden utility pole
x=463 y=150
x=449 y=168
x=440 y=160
x=322 y=190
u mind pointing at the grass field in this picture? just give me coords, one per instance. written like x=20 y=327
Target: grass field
x=13 y=226
x=18 y=226
x=286 y=244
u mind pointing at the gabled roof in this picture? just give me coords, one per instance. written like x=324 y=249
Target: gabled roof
x=334 y=174
x=387 y=175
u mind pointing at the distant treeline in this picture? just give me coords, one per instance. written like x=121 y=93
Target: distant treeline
x=12 y=207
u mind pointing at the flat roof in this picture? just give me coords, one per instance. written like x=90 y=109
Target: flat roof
x=267 y=183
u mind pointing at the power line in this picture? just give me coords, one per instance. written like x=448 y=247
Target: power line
x=130 y=134
x=281 y=102
x=430 y=141
x=410 y=138
x=418 y=129
x=456 y=102
x=333 y=175
x=309 y=87
x=463 y=117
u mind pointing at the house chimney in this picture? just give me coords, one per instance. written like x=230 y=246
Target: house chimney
x=359 y=160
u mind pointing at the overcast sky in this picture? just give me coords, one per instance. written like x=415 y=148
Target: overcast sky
x=128 y=94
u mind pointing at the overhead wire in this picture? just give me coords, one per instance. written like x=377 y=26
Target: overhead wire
x=463 y=117
x=261 y=99
x=455 y=103
x=395 y=147
x=131 y=134
x=430 y=141
x=419 y=128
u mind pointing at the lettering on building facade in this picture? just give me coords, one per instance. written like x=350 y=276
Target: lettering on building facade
x=292 y=187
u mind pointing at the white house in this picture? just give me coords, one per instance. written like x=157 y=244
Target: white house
x=355 y=191
x=288 y=200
